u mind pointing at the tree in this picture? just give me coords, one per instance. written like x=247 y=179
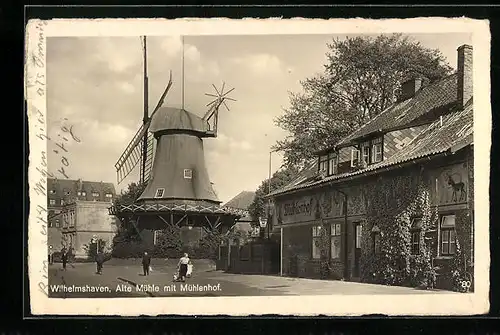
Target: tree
x=133 y=192
x=127 y=237
x=278 y=180
x=362 y=77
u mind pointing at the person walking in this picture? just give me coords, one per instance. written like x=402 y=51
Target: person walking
x=99 y=258
x=146 y=262
x=183 y=265
x=51 y=255
x=64 y=258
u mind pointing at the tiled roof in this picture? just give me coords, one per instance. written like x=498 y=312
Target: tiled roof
x=440 y=94
x=451 y=132
x=242 y=200
x=67 y=190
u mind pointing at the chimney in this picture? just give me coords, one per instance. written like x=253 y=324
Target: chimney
x=410 y=87
x=464 y=71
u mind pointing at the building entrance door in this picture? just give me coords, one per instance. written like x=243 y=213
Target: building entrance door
x=357 y=250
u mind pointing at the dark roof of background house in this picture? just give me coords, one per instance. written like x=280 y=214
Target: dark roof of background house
x=455 y=133
x=439 y=94
x=62 y=186
x=242 y=200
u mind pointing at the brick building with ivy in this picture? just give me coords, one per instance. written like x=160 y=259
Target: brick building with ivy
x=392 y=203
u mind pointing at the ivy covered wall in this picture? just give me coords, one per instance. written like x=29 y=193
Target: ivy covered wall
x=393 y=201
x=386 y=204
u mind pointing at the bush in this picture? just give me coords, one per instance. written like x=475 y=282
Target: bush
x=129 y=249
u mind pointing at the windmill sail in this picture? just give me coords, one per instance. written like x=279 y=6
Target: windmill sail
x=149 y=159
x=132 y=154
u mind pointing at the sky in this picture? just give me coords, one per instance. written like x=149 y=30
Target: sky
x=95 y=87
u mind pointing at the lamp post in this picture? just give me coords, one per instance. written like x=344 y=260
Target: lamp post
x=95 y=240
x=268 y=205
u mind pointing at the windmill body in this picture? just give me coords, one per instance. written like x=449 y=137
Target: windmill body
x=179 y=174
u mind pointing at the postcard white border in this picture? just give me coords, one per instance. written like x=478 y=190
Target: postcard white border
x=340 y=305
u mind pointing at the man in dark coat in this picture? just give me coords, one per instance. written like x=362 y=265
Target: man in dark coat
x=64 y=258
x=146 y=262
x=99 y=259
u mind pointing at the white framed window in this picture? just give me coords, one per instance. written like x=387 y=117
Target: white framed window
x=365 y=152
x=188 y=174
x=95 y=194
x=109 y=195
x=416 y=226
x=62 y=202
x=377 y=150
x=316 y=242
x=52 y=202
x=155 y=236
x=84 y=194
x=359 y=234
x=79 y=193
x=335 y=240
x=52 y=191
x=448 y=236
x=355 y=153
x=323 y=163
x=159 y=192
x=332 y=163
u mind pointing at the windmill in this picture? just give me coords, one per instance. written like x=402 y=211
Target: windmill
x=178 y=190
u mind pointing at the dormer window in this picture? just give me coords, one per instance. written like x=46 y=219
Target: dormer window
x=370 y=152
x=328 y=164
x=84 y=194
x=365 y=152
x=377 y=152
x=332 y=163
x=323 y=163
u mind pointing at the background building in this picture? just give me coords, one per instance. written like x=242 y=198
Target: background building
x=78 y=210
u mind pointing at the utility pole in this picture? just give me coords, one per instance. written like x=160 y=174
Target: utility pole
x=268 y=210
x=146 y=112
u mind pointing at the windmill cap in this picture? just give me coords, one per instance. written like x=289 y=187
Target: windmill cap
x=176 y=119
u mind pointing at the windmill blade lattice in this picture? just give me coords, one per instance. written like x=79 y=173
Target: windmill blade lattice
x=133 y=153
x=149 y=158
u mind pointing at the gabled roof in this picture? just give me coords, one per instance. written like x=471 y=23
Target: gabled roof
x=447 y=134
x=440 y=94
x=242 y=200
